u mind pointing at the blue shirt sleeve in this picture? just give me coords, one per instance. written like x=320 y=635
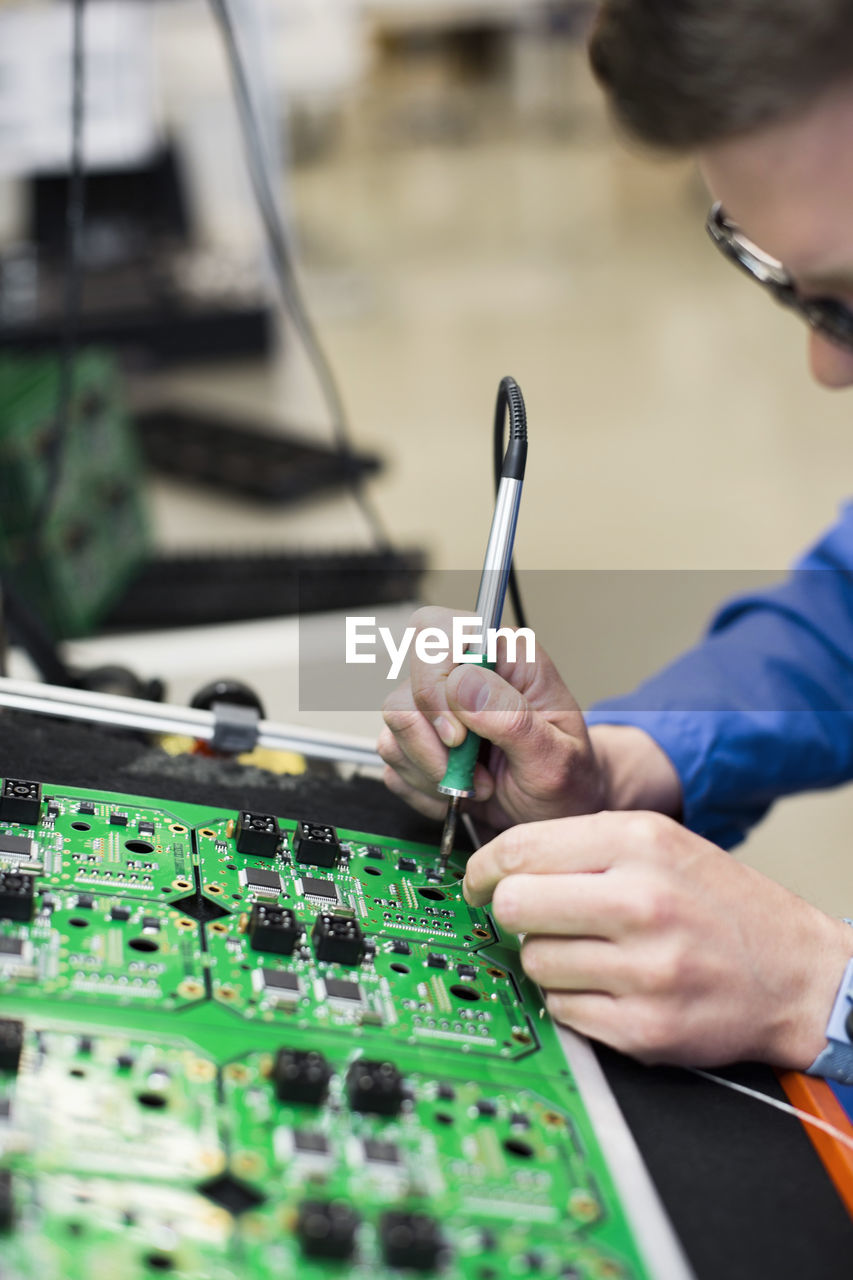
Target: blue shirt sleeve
x=762 y=707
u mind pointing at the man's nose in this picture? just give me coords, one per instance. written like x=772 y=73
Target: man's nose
x=831 y=364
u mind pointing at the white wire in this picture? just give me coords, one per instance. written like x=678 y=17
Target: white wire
x=805 y=1116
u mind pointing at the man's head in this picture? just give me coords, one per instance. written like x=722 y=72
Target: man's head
x=762 y=92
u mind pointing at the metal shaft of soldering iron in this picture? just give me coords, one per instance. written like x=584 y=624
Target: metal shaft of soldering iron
x=458 y=781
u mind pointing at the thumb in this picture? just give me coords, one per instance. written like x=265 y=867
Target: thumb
x=486 y=703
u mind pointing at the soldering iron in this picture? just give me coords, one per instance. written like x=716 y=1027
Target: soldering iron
x=458 y=780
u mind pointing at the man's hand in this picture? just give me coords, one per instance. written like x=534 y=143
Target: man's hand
x=651 y=939
x=543 y=763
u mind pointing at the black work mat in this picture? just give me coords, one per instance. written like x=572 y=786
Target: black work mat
x=744 y=1188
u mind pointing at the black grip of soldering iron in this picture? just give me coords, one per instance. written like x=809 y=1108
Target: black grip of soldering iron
x=511 y=401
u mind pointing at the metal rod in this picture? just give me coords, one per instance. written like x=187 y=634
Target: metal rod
x=158 y=717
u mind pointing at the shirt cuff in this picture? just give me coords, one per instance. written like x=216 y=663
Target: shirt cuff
x=835 y=1062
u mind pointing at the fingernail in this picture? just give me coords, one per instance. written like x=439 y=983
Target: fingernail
x=472 y=692
x=446 y=730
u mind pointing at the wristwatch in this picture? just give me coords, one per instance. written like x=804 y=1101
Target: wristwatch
x=835 y=1062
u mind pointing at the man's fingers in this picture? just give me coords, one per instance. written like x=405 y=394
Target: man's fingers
x=581 y=905
x=575 y=964
x=414 y=738
x=430 y=806
x=429 y=680
x=590 y=842
x=593 y=1014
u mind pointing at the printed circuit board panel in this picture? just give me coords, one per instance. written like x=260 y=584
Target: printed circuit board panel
x=240 y=1046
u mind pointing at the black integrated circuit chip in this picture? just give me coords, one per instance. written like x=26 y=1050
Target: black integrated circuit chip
x=11 y=946
x=18 y=846
x=378 y=1152
x=342 y=989
x=260 y=880
x=316 y=888
x=308 y=1143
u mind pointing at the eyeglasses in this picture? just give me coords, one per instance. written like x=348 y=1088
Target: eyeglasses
x=824 y=315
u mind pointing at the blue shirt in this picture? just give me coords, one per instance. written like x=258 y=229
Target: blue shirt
x=763 y=706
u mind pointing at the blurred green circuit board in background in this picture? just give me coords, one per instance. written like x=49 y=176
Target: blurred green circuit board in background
x=240 y=1047
x=73 y=569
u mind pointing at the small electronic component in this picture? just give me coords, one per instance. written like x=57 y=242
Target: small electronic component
x=301 y=1075
x=15 y=846
x=435 y=961
x=342 y=989
x=257 y=834
x=337 y=940
x=373 y=851
x=16 y=896
x=410 y=1240
x=327 y=1229
x=85 y=901
x=277 y=985
x=273 y=929
x=378 y=1152
x=466 y=971
x=151 y=922
x=308 y=1143
x=11 y=1043
x=375 y=1087
x=261 y=881
x=446 y=1091
x=400 y=947
x=315 y=845
x=325 y=890
x=120 y=912
x=15 y=953
x=146 y=828
x=117 y=819
x=20 y=801
x=86 y=807
x=407 y=864
x=487 y=1107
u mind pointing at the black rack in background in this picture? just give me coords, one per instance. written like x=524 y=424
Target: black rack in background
x=195 y=590
x=274 y=467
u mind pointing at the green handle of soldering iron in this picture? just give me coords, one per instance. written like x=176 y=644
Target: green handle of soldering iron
x=461 y=761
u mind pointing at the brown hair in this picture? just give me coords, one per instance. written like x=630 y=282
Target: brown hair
x=684 y=73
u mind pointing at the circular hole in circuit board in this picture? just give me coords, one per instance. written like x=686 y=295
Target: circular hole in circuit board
x=154 y=1101
x=206 y=831
x=495 y=973
x=80 y=826
x=400 y=968
x=480 y=932
x=178 y=829
x=464 y=993
x=372 y=871
x=138 y=846
x=518 y=1147
x=78 y=922
x=522 y=1037
x=434 y=895
x=159 y=1262
x=144 y=944
x=443 y=1117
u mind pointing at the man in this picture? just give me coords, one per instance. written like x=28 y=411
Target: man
x=641 y=930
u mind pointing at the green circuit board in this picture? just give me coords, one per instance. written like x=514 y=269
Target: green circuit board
x=240 y=1046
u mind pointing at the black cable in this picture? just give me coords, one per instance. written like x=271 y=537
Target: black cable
x=75 y=212
x=510 y=403
x=280 y=255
